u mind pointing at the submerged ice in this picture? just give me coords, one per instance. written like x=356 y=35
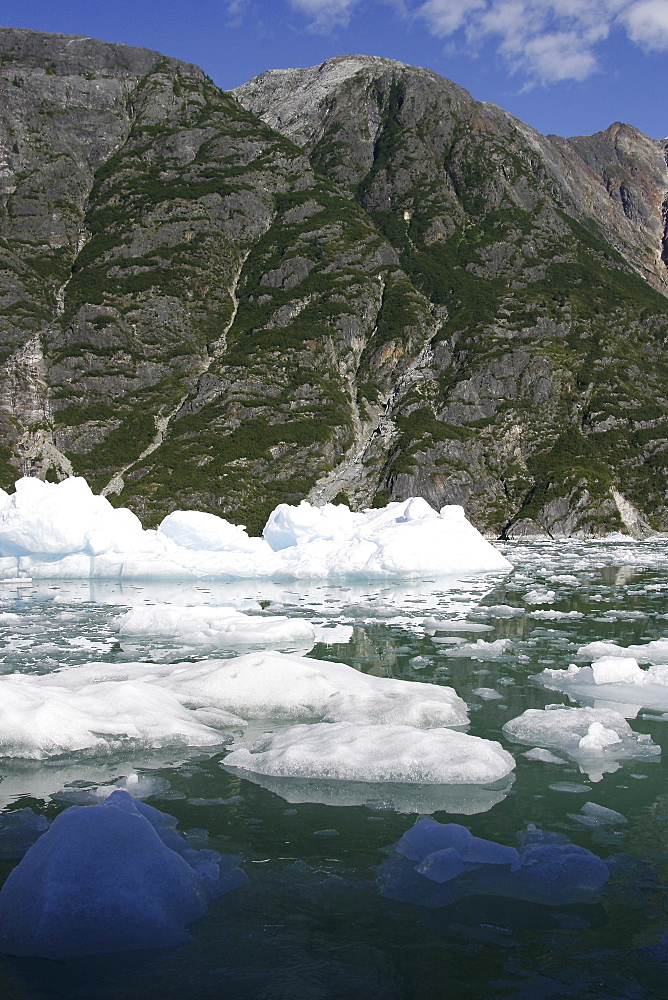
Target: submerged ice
x=111 y=877
x=442 y=863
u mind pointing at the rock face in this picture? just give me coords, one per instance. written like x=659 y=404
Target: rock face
x=351 y=281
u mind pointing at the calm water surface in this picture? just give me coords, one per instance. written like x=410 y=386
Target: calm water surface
x=312 y=922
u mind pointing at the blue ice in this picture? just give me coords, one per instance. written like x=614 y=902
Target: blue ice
x=110 y=877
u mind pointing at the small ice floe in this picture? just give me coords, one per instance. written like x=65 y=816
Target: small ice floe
x=555 y=615
x=487 y=694
x=442 y=625
x=613 y=679
x=439 y=864
x=481 y=650
x=539 y=596
x=655 y=652
x=593 y=815
x=589 y=735
x=373 y=753
x=220 y=626
x=545 y=756
x=106 y=878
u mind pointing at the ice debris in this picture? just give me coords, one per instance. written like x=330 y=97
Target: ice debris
x=111 y=877
x=442 y=863
x=62 y=530
x=345 y=751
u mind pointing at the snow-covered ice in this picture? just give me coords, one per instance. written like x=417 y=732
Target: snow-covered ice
x=346 y=751
x=98 y=707
x=111 y=877
x=62 y=530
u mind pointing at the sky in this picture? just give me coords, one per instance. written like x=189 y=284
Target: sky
x=570 y=67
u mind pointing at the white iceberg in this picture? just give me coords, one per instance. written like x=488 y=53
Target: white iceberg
x=346 y=751
x=99 y=707
x=62 y=530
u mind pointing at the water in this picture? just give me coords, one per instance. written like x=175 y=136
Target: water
x=312 y=922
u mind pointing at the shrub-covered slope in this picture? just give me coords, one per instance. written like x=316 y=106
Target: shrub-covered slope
x=347 y=282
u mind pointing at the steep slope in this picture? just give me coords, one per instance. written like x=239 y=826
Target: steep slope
x=546 y=405
x=349 y=282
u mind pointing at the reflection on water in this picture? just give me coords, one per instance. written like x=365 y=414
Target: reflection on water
x=312 y=923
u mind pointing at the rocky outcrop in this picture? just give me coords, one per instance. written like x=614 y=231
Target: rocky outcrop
x=345 y=282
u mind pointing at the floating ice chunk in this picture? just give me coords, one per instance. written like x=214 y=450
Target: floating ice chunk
x=55 y=518
x=282 y=686
x=347 y=752
x=547 y=869
x=617 y=680
x=581 y=733
x=595 y=815
x=428 y=837
x=650 y=652
x=597 y=738
x=617 y=670
x=441 y=866
x=106 y=878
x=481 y=650
x=546 y=756
x=100 y=706
x=539 y=596
x=440 y=625
x=487 y=694
x=211 y=626
x=41 y=716
x=502 y=611
x=18 y=831
x=555 y=615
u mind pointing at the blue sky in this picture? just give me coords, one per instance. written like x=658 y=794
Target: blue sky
x=567 y=66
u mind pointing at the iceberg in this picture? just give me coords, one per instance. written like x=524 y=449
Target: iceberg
x=440 y=864
x=110 y=877
x=588 y=735
x=64 y=531
x=346 y=751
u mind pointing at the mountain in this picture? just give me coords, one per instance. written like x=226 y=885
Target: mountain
x=350 y=282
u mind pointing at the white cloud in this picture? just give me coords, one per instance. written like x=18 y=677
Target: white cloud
x=325 y=15
x=444 y=17
x=547 y=40
x=647 y=24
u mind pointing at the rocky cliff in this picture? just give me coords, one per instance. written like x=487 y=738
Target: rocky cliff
x=346 y=282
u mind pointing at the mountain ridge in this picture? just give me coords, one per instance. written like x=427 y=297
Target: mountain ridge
x=422 y=296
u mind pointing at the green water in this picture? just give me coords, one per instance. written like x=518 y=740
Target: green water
x=312 y=923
